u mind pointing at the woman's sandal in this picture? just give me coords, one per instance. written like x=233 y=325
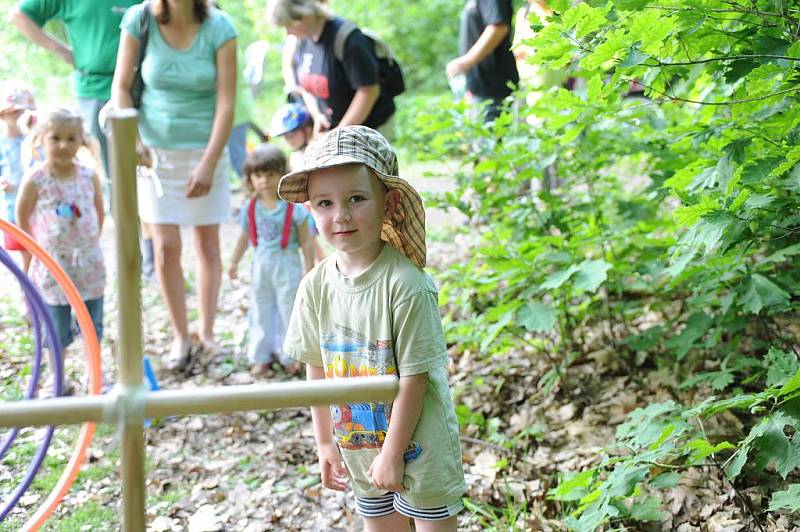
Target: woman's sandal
x=181 y=363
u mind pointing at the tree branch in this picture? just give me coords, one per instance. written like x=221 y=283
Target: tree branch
x=660 y=63
x=730 y=102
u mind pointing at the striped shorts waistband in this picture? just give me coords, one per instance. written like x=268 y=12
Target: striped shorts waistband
x=371 y=507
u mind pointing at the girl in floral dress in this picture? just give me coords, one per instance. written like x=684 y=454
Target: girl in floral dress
x=60 y=204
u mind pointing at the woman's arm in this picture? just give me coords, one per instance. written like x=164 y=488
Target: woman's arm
x=26 y=201
x=361 y=105
x=287 y=63
x=307 y=245
x=202 y=177
x=127 y=58
x=98 y=203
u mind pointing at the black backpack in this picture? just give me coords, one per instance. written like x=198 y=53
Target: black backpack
x=391 y=75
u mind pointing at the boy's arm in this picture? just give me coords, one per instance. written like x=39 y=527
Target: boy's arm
x=26 y=200
x=388 y=467
x=307 y=245
x=334 y=475
x=238 y=253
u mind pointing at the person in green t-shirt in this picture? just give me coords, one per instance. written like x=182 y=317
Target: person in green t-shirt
x=93 y=29
x=370 y=309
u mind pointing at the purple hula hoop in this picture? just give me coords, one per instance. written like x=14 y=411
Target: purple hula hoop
x=39 y=316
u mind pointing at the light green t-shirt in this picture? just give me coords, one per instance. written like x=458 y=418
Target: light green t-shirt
x=180 y=86
x=93 y=28
x=383 y=322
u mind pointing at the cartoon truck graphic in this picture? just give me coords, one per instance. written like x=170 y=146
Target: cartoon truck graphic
x=360 y=425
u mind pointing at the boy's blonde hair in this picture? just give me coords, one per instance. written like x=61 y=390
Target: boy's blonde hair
x=284 y=12
x=264 y=158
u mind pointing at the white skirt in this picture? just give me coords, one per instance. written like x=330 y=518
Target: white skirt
x=161 y=190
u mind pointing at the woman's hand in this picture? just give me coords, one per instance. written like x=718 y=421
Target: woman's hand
x=200 y=181
x=387 y=472
x=334 y=475
x=143 y=157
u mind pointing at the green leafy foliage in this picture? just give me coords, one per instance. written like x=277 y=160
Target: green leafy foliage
x=663 y=226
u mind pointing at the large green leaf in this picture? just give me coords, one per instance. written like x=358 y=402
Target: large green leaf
x=648 y=510
x=537 y=317
x=788 y=499
x=772 y=446
x=760 y=292
x=696 y=326
x=591 y=274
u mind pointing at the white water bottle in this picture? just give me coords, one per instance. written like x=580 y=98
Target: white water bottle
x=458 y=84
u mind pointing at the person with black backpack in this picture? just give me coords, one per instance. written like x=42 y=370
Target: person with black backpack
x=345 y=76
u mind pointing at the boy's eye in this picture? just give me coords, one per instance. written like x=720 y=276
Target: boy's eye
x=356 y=199
x=324 y=203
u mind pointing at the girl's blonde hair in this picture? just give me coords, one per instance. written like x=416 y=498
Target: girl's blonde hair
x=284 y=12
x=56 y=116
x=46 y=119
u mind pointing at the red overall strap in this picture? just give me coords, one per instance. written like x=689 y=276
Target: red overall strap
x=251 y=221
x=287 y=226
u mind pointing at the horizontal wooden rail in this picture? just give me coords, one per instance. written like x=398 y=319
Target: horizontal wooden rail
x=207 y=400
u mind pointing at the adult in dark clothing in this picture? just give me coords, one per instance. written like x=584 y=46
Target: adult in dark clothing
x=336 y=93
x=485 y=48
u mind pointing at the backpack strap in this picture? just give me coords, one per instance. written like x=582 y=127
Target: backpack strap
x=340 y=38
x=287 y=226
x=251 y=221
x=144 y=27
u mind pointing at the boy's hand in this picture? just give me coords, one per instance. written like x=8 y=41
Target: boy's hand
x=334 y=475
x=233 y=271
x=387 y=473
x=5 y=185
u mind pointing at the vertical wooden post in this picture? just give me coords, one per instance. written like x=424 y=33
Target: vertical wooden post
x=124 y=124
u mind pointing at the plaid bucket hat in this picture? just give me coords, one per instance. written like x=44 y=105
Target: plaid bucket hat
x=363 y=145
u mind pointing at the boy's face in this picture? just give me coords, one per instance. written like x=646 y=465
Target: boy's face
x=265 y=182
x=296 y=139
x=349 y=205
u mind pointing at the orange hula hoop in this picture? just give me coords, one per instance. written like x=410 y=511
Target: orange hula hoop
x=92 y=347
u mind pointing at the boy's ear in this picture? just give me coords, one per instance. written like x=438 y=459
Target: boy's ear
x=391 y=203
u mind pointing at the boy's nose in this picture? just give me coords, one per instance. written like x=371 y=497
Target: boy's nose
x=343 y=215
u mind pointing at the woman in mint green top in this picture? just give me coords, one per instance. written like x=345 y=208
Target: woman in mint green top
x=187 y=107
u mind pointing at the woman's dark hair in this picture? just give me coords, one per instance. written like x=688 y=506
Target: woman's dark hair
x=200 y=11
x=265 y=158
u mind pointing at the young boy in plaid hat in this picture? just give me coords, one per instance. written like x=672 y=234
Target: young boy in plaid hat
x=370 y=309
